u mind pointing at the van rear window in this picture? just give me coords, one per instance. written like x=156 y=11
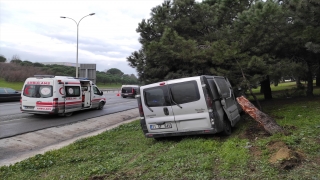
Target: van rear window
x=37 y=91
x=126 y=90
x=157 y=96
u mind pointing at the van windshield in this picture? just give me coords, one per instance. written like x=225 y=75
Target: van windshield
x=38 y=91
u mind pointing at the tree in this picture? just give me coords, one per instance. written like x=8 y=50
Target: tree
x=303 y=31
x=15 y=59
x=115 y=71
x=2 y=58
x=179 y=41
x=38 y=64
x=26 y=63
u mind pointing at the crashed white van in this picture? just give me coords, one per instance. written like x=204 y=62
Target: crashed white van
x=188 y=106
x=62 y=95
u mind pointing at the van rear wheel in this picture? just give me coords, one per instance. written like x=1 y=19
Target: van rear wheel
x=226 y=126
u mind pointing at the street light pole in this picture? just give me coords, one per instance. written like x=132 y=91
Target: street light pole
x=77 y=23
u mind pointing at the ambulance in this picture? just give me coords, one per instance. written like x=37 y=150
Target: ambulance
x=61 y=95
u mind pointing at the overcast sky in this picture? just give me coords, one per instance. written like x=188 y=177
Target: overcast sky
x=34 y=31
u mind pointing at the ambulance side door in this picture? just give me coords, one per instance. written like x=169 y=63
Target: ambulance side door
x=73 y=97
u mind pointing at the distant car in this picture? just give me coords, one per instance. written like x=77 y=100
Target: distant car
x=129 y=90
x=8 y=94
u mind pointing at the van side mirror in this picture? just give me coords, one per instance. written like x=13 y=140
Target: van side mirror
x=101 y=92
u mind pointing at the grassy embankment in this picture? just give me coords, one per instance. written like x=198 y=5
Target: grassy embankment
x=124 y=153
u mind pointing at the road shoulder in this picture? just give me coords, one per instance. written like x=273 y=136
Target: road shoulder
x=23 y=146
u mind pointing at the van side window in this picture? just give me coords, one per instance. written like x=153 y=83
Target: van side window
x=185 y=92
x=157 y=96
x=72 y=91
x=45 y=91
x=223 y=86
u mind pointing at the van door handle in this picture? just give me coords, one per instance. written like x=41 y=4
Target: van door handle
x=166 y=111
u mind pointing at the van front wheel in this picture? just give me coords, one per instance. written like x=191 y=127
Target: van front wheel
x=226 y=127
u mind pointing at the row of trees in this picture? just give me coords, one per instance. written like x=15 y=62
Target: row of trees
x=18 y=71
x=249 y=41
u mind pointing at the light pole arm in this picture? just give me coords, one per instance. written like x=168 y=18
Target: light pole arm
x=77 y=23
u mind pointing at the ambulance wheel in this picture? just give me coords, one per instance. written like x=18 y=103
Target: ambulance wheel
x=226 y=126
x=101 y=104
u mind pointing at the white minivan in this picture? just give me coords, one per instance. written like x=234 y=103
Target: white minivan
x=188 y=106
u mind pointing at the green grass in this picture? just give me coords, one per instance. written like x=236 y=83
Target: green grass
x=109 y=86
x=14 y=85
x=284 y=90
x=124 y=153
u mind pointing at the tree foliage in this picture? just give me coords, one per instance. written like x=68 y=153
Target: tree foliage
x=2 y=58
x=263 y=38
x=19 y=71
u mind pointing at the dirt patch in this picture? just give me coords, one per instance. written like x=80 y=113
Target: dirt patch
x=284 y=157
x=274 y=146
x=254 y=132
x=255 y=151
x=102 y=177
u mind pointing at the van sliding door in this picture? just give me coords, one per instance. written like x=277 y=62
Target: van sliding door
x=228 y=100
x=190 y=110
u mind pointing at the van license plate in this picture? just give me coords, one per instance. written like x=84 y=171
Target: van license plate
x=162 y=126
x=28 y=107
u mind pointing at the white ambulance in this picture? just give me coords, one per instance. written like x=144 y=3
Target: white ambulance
x=62 y=95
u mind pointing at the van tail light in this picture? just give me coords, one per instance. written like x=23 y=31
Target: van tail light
x=209 y=102
x=141 y=111
x=132 y=91
x=140 y=105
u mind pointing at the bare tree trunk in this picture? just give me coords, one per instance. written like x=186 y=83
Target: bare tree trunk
x=268 y=123
x=248 y=84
